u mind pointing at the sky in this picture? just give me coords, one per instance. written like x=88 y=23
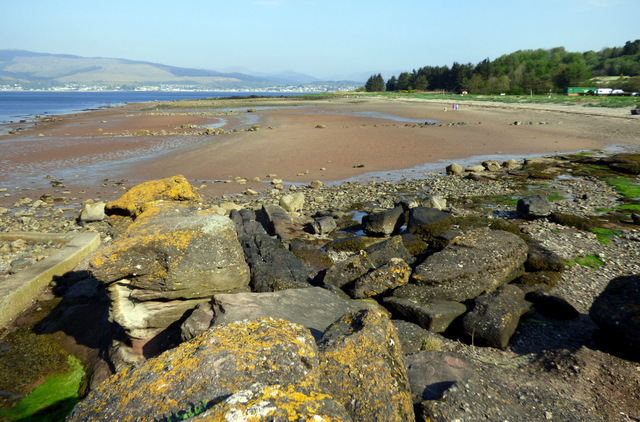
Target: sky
x=328 y=39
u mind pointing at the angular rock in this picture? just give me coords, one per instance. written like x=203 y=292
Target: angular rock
x=93 y=212
x=394 y=273
x=276 y=221
x=344 y=273
x=436 y=201
x=541 y=259
x=495 y=317
x=198 y=322
x=479 y=261
x=414 y=338
x=616 y=311
x=382 y=252
x=551 y=305
x=351 y=244
x=433 y=315
x=173 y=256
x=548 y=278
x=427 y=223
x=314 y=308
x=314 y=259
x=292 y=202
x=383 y=223
x=454 y=169
x=534 y=206
x=262 y=402
x=235 y=355
x=491 y=165
x=245 y=222
x=431 y=373
x=273 y=267
x=324 y=225
x=362 y=367
x=175 y=188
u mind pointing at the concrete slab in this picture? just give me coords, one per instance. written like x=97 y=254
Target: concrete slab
x=20 y=290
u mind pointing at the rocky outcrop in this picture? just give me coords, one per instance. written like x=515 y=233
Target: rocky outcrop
x=479 y=261
x=173 y=256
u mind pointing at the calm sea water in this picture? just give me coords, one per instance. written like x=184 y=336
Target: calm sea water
x=22 y=105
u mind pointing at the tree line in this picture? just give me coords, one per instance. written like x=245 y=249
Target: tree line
x=523 y=72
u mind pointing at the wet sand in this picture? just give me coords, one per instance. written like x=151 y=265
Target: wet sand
x=327 y=140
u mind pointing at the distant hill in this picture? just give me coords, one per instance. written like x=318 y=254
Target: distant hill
x=42 y=70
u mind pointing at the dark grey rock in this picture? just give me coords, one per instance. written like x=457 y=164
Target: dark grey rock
x=433 y=315
x=427 y=222
x=384 y=223
x=198 y=322
x=344 y=273
x=541 y=259
x=393 y=274
x=534 y=206
x=552 y=306
x=245 y=222
x=413 y=337
x=382 y=252
x=495 y=317
x=479 y=261
x=324 y=225
x=616 y=311
x=314 y=259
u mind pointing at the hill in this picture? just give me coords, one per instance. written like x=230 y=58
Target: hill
x=42 y=70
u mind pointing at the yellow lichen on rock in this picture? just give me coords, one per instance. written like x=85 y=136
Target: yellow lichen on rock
x=175 y=188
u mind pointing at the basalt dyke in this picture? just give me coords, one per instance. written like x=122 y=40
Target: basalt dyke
x=505 y=291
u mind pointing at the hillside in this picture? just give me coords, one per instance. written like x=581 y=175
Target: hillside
x=41 y=70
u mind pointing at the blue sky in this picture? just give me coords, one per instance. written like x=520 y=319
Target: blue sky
x=327 y=39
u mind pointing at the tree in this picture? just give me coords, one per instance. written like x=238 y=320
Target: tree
x=375 y=83
x=404 y=82
x=392 y=84
x=421 y=83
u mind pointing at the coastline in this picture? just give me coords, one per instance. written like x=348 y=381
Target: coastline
x=330 y=140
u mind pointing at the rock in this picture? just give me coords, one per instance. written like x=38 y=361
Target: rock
x=93 y=212
x=344 y=273
x=276 y=220
x=548 y=278
x=246 y=224
x=351 y=244
x=414 y=245
x=171 y=257
x=540 y=259
x=534 y=206
x=414 y=338
x=362 y=367
x=262 y=402
x=431 y=373
x=175 y=188
x=314 y=308
x=236 y=356
x=616 y=311
x=551 y=305
x=273 y=267
x=495 y=317
x=394 y=273
x=510 y=164
x=426 y=223
x=323 y=225
x=292 y=202
x=479 y=261
x=384 y=251
x=635 y=217
x=314 y=259
x=491 y=165
x=454 y=169
x=436 y=201
x=475 y=169
x=198 y=321
x=383 y=223
x=433 y=315
x=316 y=184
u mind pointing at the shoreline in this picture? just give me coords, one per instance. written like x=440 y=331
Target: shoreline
x=331 y=140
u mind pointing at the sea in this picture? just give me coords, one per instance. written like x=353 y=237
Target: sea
x=25 y=105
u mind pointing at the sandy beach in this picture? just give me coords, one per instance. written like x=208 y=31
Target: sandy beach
x=299 y=141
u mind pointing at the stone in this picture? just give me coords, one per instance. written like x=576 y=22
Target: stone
x=277 y=222
x=414 y=338
x=273 y=267
x=245 y=222
x=475 y=169
x=491 y=165
x=533 y=206
x=198 y=321
x=394 y=273
x=175 y=188
x=171 y=257
x=292 y=202
x=427 y=223
x=454 y=169
x=478 y=261
x=342 y=274
x=494 y=317
x=323 y=225
x=236 y=355
x=541 y=259
x=510 y=164
x=436 y=201
x=616 y=311
x=362 y=367
x=548 y=278
x=314 y=259
x=351 y=244
x=551 y=305
x=316 y=184
x=262 y=402
x=93 y=212
x=384 y=223
x=431 y=373
x=433 y=315
x=314 y=308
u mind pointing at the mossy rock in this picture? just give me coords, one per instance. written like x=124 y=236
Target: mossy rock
x=352 y=244
x=549 y=278
x=570 y=220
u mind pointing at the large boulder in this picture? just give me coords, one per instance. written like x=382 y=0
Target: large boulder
x=342 y=274
x=433 y=315
x=384 y=251
x=394 y=273
x=495 y=317
x=616 y=311
x=175 y=188
x=479 y=261
x=362 y=367
x=533 y=206
x=383 y=223
x=173 y=256
x=224 y=360
x=427 y=223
